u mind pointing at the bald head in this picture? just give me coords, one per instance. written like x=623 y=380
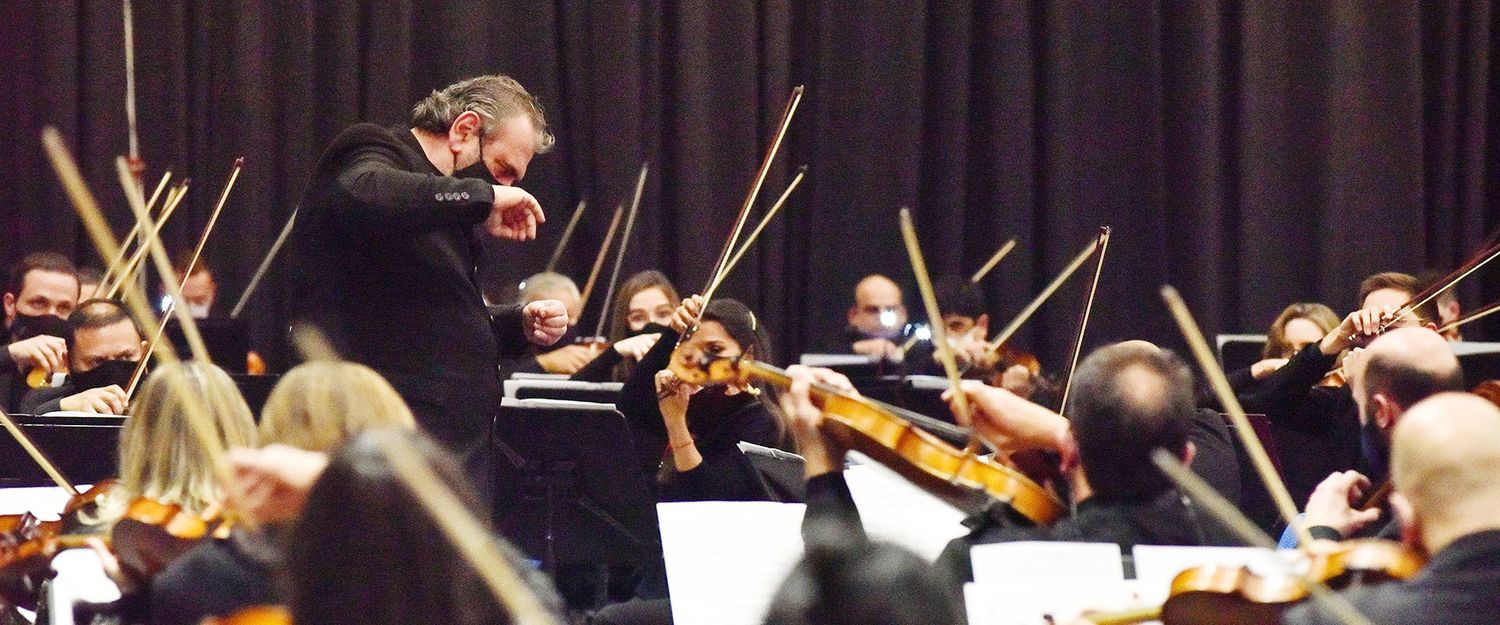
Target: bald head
x=1443 y=461
x=1401 y=368
x=878 y=310
x=1130 y=399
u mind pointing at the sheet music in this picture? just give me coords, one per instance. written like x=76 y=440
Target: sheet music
x=1157 y=565
x=895 y=510
x=1005 y=563
x=725 y=559
x=1045 y=600
x=45 y=502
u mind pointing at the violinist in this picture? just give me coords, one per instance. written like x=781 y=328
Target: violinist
x=642 y=308
x=40 y=292
x=1398 y=369
x=968 y=327
x=1299 y=325
x=1317 y=425
x=1443 y=455
x=315 y=407
x=1448 y=307
x=104 y=346
x=385 y=255
x=1131 y=398
x=199 y=290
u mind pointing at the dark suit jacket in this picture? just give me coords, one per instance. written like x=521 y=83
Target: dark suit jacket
x=385 y=255
x=1316 y=428
x=1459 y=586
x=45 y=400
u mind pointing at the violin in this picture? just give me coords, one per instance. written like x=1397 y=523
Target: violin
x=152 y=534
x=39 y=377
x=1226 y=595
x=960 y=476
x=255 y=615
x=27 y=544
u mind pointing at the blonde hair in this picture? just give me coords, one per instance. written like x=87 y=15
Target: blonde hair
x=160 y=458
x=317 y=405
x=1277 y=345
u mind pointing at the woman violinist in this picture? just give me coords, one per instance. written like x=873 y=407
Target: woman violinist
x=641 y=309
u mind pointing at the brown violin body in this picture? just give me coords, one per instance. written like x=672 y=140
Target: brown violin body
x=152 y=534
x=255 y=615
x=1235 y=596
x=962 y=477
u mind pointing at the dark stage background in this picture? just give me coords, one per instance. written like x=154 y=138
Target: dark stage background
x=1253 y=153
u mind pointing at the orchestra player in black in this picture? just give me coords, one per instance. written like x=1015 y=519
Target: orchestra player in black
x=387 y=254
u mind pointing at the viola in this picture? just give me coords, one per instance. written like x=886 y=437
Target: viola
x=961 y=476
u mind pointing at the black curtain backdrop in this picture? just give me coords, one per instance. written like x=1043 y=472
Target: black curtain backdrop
x=1252 y=152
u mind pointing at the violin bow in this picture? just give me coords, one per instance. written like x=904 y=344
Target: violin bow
x=1083 y=320
x=995 y=259
x=127 y=271
x=137 y=166
x=614 y=275
x=1231 y=518
x=744 y=215
x=465 y=532
x=939 y=333
x=755 y=234
x=1478 y=314
x=265 y=263
x=1428 y=294
x=213 y=218
x=1215 y=374
x=567 y=235
x=117 y=262
x=163 y=262
x=135 y=296
x=609 y=238
x=1041 y=298
x=37 y=456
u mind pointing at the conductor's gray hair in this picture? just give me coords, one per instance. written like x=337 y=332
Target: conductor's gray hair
x=495 y=98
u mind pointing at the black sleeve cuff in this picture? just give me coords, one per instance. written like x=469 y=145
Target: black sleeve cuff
x=1324 y=532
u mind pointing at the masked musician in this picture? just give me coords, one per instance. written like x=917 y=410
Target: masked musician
x=104 y=346
x=642 y=310
x=1317 y=426
x=387 y=254
x=1443 y=455
x=40 y=292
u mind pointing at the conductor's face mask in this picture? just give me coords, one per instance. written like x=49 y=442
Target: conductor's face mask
x=478 y=170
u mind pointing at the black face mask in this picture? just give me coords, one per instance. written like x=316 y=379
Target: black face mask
x=477 y=170
x=28 y=326
x=109 y=372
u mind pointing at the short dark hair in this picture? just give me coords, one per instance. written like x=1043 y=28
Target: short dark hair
x=1119 y=417
x=1403 y=282
x=37 y=261
x=1407 y=383
x=957 y=296
x=856 y=581
x=98 y=313
x=401 y=567
x=89 y=275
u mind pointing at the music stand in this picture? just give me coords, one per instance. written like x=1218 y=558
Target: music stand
x=84 y=447
x=568 y=488
x=779 y=472
x=571 y=390
x=1237 y=351
x=227 y=340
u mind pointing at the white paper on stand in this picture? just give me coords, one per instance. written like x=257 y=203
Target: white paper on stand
x=45 y=502
x=1002 y=563
x=725 y=559
x=1044 y=600
x=894 y=510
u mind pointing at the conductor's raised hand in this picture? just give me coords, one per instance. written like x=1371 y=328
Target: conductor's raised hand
x=514 y=215
x=544 y=321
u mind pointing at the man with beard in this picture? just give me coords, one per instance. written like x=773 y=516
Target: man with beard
x=387 y=254
x=104 y=346
x=41 y=290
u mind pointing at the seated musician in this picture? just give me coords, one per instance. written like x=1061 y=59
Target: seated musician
x=1299 y=325
x=40 y=291
x=366 y=551
x=1443 y=455
x=161 y=460
x=1397 y=370
x=1130 y=399
x=643 y=306
x=1317 y=426
x=877 y=320
x=845 y=578
x=314 y=408
x=104 y=347
x=565 y=356
x=199 y=290
x=1448 y=307
x=968 y=328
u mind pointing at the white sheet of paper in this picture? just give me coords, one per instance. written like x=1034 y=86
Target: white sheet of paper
x=1034 y=601
x=1157 y=565
x=895 y=510
x=725 y=559
x=1003 y=563
x=46 y=502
